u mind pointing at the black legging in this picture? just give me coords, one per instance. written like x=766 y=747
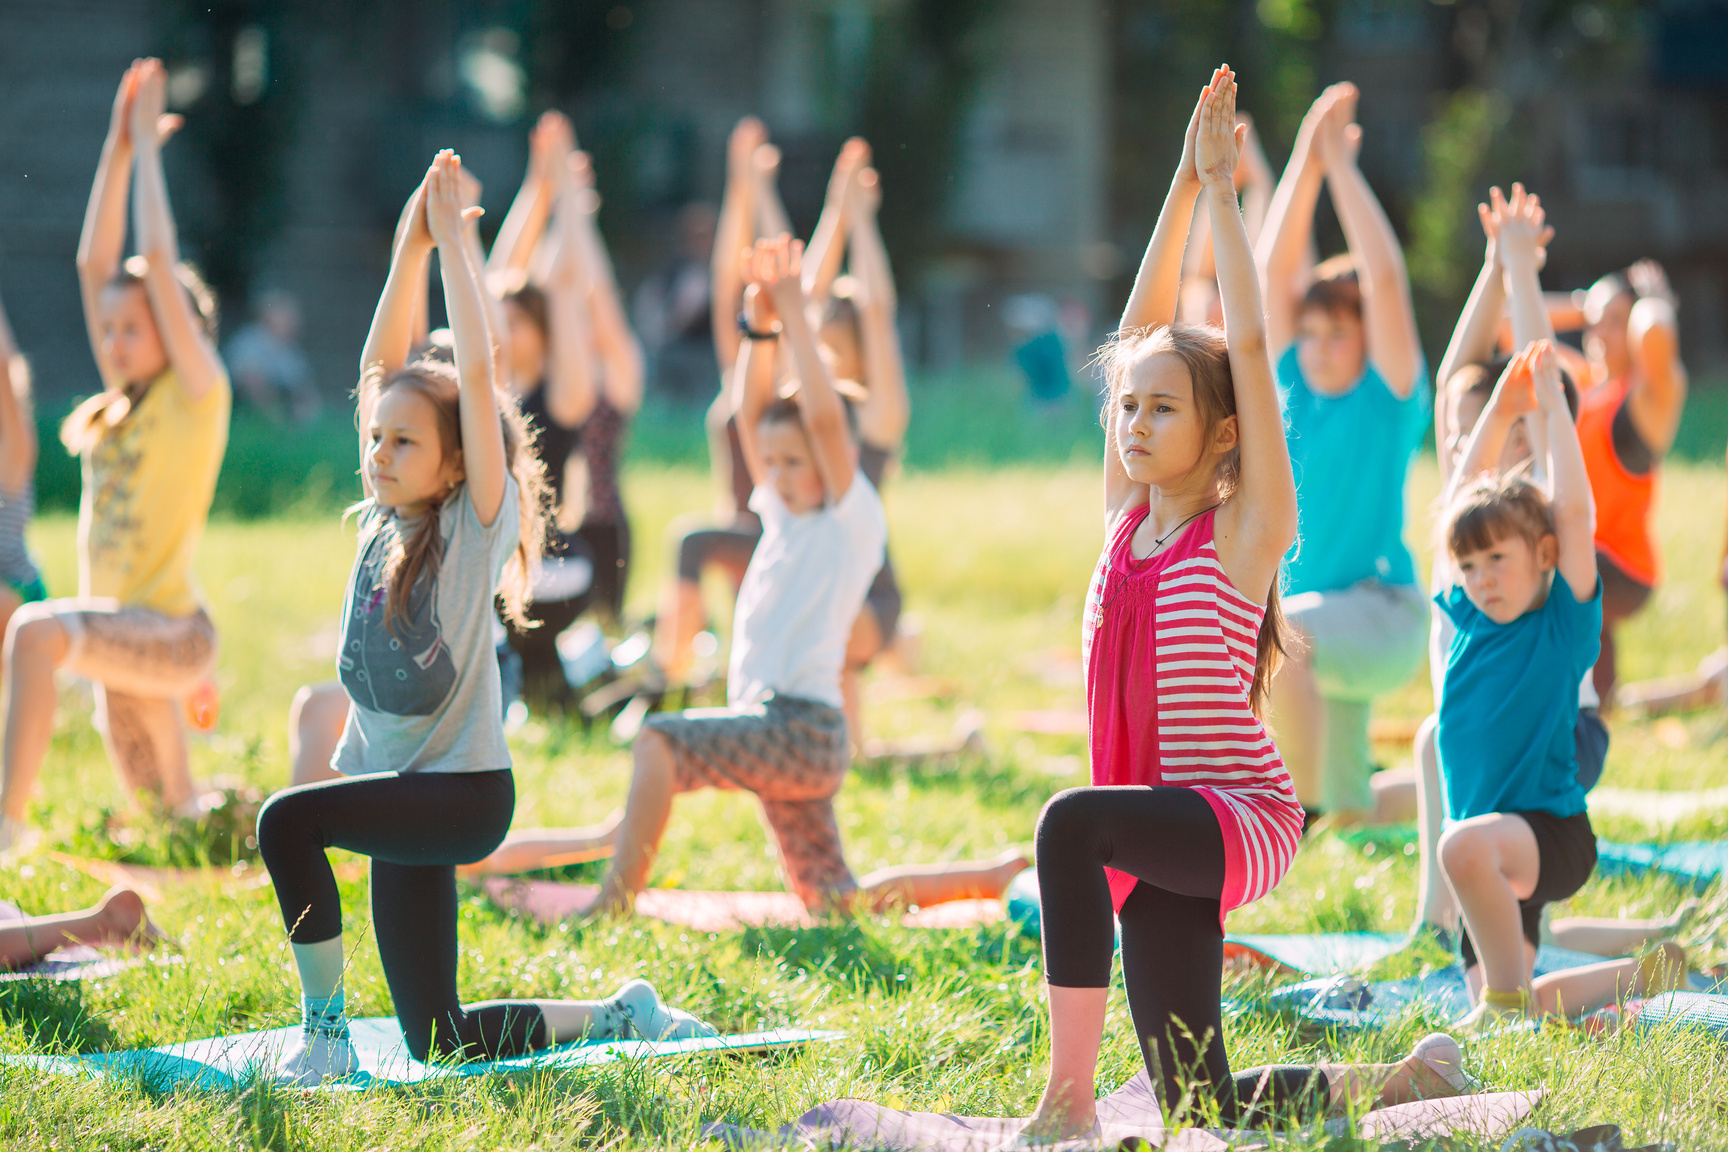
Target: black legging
x=1172 y=942
x=416 y=828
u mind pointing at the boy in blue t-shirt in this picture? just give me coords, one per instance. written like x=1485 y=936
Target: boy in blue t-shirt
x=1528 y=612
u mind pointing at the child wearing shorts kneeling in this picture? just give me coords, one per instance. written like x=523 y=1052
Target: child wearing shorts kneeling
x=1527 y=606
x=783 y=734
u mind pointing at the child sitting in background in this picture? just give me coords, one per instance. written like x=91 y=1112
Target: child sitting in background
x=1527 y=609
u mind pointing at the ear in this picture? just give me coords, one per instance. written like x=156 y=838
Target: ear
x=1227 y=435
x=1548 y=552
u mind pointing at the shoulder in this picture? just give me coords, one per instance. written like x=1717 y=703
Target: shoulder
x=861 y=507
x=1456 y=604
x=1566 y=601
x=173 y=391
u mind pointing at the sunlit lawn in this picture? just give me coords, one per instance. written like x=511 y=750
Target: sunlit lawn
x=995 y=565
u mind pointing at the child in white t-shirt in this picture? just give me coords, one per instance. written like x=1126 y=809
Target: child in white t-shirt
x=783 y=734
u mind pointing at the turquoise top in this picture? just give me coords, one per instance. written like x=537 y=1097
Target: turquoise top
x=1350 y=453
x=1510 y=703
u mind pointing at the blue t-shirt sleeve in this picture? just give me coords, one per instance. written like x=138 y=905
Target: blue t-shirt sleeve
x=1456 y=604
x=1413 y=411
x=1582 y=617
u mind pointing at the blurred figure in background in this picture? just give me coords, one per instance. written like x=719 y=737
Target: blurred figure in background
x=270 y=371
x=1035 y=331
x=673 y=313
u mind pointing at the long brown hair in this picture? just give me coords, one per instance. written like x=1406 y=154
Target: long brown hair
x=90 y=421
x=438 y=385
x=1204 y=352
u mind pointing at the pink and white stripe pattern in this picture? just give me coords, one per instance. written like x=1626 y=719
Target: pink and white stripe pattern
x=1169 y=647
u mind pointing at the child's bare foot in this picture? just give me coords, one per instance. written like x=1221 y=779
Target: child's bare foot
x=1434 y=1070
x=121 y=919
x=1059 y=1117
x=1008 y=865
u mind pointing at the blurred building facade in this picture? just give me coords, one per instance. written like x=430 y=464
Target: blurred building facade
x=1024 y=144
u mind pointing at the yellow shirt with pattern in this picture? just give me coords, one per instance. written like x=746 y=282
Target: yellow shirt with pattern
x=148 y=483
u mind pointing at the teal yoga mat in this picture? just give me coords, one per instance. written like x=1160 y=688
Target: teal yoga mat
x=1699 y=863
x=228 y=1061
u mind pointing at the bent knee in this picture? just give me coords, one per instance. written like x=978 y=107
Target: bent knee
x=1464 y=849
x=1065 y=818
x=34 y=630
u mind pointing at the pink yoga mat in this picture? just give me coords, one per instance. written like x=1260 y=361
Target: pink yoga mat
x=1128 y=1111
x=550 y=902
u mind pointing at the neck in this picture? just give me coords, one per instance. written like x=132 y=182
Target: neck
x=1168 y=508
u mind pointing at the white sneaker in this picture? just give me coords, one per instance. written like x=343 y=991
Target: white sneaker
x=314 y=1058
x=646 y=1016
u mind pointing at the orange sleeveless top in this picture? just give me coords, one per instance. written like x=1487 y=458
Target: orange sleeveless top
x=1623 y=500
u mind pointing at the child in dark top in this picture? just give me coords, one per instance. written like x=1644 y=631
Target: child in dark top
x=1527 y=607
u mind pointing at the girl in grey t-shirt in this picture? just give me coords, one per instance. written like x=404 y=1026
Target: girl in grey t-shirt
x=453 y=515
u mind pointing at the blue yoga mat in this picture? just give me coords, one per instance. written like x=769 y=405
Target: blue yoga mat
x=224 y=1062
x=1698 y=862
x=1686 y=1010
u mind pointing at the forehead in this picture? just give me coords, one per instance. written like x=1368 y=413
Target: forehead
x=1314 y=319
x=404 y=407
x=124 y=297
x=1160 y=374
x=783 y=437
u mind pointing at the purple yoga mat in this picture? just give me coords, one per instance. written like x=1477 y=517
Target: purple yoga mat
x=1128 y=1111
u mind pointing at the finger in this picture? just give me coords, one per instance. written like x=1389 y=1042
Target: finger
x=1482 y=215
x=1241 y=139
x=473 y=213
x=167 y=125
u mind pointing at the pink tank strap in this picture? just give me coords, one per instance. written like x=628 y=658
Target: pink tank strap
x=1125 y=530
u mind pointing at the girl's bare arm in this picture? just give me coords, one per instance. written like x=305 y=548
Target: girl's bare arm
x=615 y=343
x=733 y=233
x=391 y=336
x=827 y=247
x=189 y=347
x=102 y=244
x=752 y=385
x=570 y=385
x=1158 y=282
x=1256 y=526
x=1653 y=334
x=483 y=462
x=550 y=140
x=775 y=268
x=1472 y=342
x=1282 y=248
x=885 y=413
x=1574 y=506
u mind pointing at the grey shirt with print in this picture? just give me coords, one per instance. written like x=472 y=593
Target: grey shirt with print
x=424 y=688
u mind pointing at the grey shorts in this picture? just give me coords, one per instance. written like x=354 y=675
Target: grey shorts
x=793 y=754
x=1365 y=640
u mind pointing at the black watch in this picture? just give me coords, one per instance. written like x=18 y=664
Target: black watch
x=750 y=333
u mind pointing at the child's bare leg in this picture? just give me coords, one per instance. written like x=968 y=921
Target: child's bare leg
x=680 y=619
x=861 y=648
x=1395 y=796
x=10 y=602
x=1602 y=936
x=534 y=848
x=116 y=919
x=1576 y=991
x=645 y=815
x=922 y=885
x=1433 y=1071
x=1492 y=862
x=1069 y=1104
x=36 y=644
x=315 y=722
x=1299 y=722
x=1434 y=903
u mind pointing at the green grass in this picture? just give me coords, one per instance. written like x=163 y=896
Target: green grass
x=995 y=560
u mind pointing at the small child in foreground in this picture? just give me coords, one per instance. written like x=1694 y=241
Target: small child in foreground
x=1527 y=608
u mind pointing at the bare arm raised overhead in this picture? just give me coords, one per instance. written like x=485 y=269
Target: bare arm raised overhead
x=1574 y=504
x=752 y=383
x=570 y=383
x=827 y=248
x=391 y=336
x=190 y=348
x=1257 y=523
x=1388 y=316
x=549 y=142
x=1472 y=342
x=776 y=267
x=483 y=462
x=615 y=344
x=886 y=411
x=1282 y=249
x=734 y=232
x=1659 y=380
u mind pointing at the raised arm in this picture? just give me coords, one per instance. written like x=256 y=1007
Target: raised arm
x=1158 y=283
x=1514 y=397
x=1523 y=237
x=189 y=347
x=833 y=228
x=776 y=268
x=771 y=217
x=1653 y=336
x=497 y=324
x=1472 y=341
x=17 y=428
x=734 y=232
x=1388 y=316
x=886 y=411
x=1257 y=524
x=1574 y=506
x=483 y=465
x=102 y=244
x=548 y=143
x=752 y=385
x=615 y=343
x=1282 y=248
x=570 y=384
x=1254 y=182
x=391 y=336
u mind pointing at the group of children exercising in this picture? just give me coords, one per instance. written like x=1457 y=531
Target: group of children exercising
x=1214 y=433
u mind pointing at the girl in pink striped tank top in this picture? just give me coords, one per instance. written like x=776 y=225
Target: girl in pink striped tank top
x=1191 y=812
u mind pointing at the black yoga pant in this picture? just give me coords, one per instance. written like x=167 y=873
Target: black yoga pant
x=416 y=828
x=610 y=544
x=1172 y=943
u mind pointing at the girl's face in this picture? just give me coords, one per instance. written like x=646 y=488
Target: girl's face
x=1509 y=577
x=1607 y=312
x=130 y=343
x=407 y=464
x=1330 y=349
x=527 y=347
x=791 y=466
x=1467 y=409
x=1159 y=431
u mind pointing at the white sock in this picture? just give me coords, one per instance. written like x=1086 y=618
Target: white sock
x=315 y=1057
x=645 y=1016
